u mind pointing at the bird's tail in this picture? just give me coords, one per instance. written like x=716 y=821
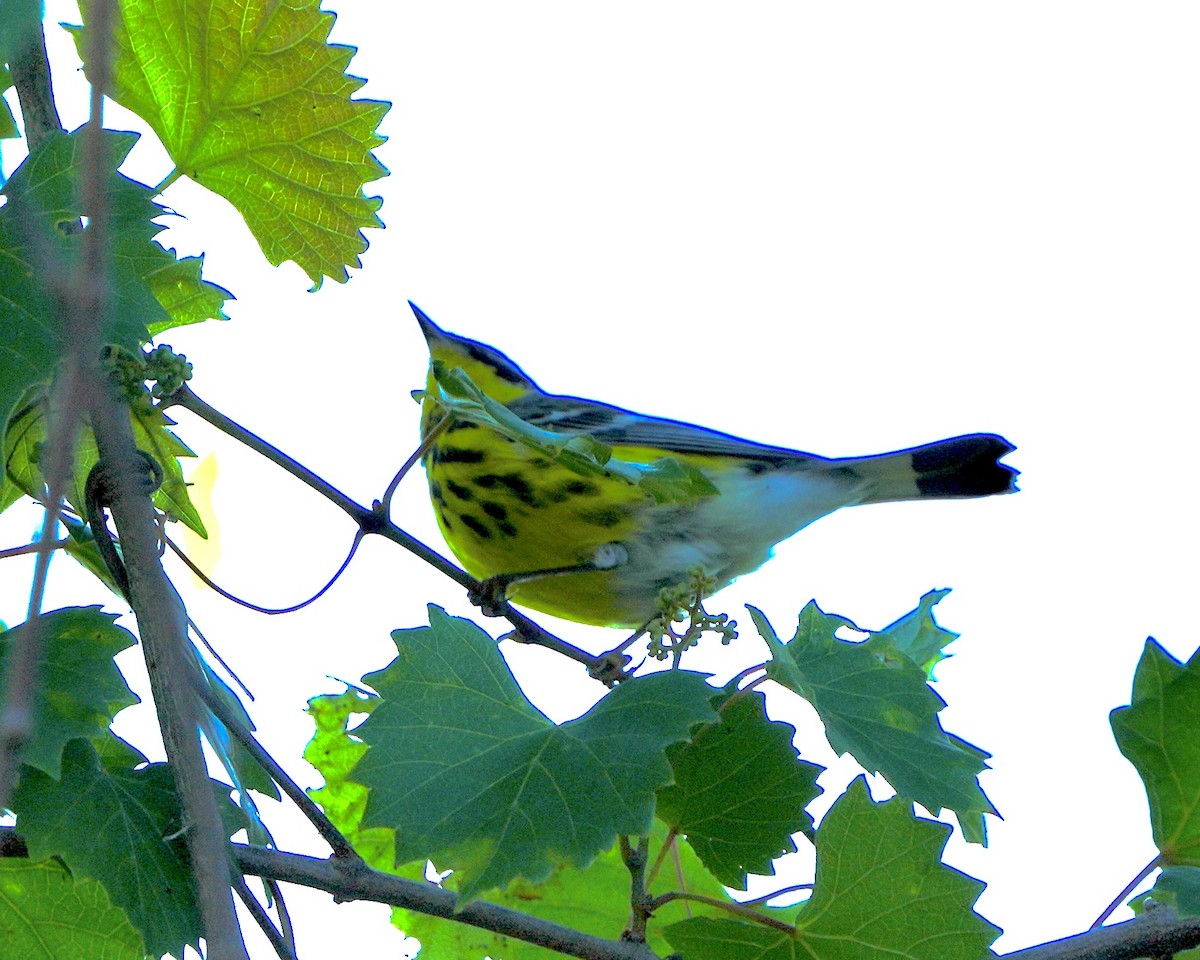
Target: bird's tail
x=959 y=467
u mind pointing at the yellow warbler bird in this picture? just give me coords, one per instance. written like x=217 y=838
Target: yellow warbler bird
x=597 y=548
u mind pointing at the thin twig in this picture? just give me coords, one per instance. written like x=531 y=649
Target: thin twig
x=329 y=833
x=373 y=520
x=426 y=442
x=795 y=888
x=270 y=611
x=32 y=548
x=285 y=950
x=729 y=906
x=1156 y=933
x=662 y=855
x=347 y=882
x=1121 y=897
x=635 y=862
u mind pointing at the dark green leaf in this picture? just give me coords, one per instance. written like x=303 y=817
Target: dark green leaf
x=918 y=634
x=80 y=689
x=877 y=706
x=121 y=828
x=740 y=791
x=881 y=892
x=251 y=101
x=46 y=914
x=473 y=777
x=1157 y=734
x=1176 y=887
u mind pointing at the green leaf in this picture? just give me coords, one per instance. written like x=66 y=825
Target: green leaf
x=41 y=241
x=475 y=778
x=151 y=432
x=1176 y=887
x=665 y=479
x=1157 y=734
x=251 y=101
x=918 y=634
x=740 y=791
x=594 y=900
x=177 y=285
x=113 y=825
x=80 y=689
x=877 y=706
x=8 y=123
x=881 y=892
x=45 y=914
x=335 y=752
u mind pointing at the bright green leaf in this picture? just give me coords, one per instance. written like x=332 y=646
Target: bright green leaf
x=251 y=101
x=80 y=689
x=475 y=778
x=335 y=752
x=594 y=900
x=112 y=825
x=740 y=791
x=1157 y=734
x=8 y=123
x=46 y=914
x=877 y=706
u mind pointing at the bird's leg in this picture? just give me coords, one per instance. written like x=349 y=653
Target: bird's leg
x=492 y=593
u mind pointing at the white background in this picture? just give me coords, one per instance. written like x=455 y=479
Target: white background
x=844 y=228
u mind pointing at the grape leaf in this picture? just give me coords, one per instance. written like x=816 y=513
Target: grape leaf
x=251 y=101
x=111 y=824
x=46 y=914
x=475 y=778
x=8 y=123
x=918 y=634
x=151 y=431
x=740 y=791
x=1176 y=887
x=40 y=240
x=335 y=752
x=40 y=244
x=877 y=706
x=594 y=900
x=80 y=688
x=1157 y=734
x=881 y=892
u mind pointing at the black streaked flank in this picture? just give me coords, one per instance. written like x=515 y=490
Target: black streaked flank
x=476 y=526
x=463 y=493
x=435 y=493
x=579 y=488
x=608 y=517
x=494 y=510
x=444 y=454
x=461 y=425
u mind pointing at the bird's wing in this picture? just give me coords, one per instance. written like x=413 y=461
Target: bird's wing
x=618 y=427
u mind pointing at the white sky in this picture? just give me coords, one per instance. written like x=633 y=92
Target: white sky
x=840 y=227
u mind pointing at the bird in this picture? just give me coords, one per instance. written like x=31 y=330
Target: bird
x=597 y=549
